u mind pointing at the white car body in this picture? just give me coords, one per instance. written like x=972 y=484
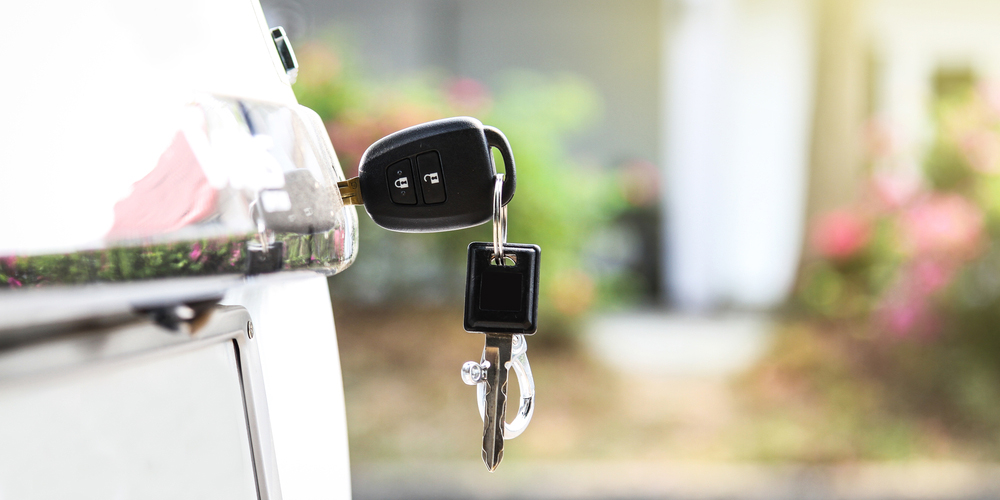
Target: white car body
x=97 y=400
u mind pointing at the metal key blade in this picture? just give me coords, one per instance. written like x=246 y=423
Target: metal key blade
x=497 y=352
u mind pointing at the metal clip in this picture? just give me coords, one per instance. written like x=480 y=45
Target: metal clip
x=475 y=374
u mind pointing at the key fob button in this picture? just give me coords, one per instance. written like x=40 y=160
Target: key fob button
x=402 y=189
x=431 y=177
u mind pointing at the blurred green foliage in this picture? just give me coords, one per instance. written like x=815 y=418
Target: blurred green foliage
x=559 y=203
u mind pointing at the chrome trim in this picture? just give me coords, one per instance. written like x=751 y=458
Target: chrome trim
x=239 y=181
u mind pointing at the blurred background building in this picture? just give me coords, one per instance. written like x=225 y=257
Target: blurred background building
x=752 y=109
x=811 y=184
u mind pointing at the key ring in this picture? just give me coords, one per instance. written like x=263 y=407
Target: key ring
x=499 y=221
x=475 y=374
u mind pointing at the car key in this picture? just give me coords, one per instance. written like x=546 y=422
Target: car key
x=501 y=300
x=439 y=176
x=436 y=176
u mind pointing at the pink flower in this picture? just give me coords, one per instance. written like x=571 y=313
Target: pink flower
x=928 y=276
x=908 y=317
x=195 y=251
x=467 y=94
x=894 y=191
x=13 y=282
x=907 y=310
x=235 y=257
x=943 y=225
x=840 y=234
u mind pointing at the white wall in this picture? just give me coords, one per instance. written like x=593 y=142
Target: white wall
x=737 y=114
x=612 y=44
x=911 y=39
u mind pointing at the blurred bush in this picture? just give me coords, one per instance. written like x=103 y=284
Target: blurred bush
x=559 y=204
x=913 y=255
x=894 y=347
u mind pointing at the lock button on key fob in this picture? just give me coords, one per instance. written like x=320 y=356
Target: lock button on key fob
x=402 y=190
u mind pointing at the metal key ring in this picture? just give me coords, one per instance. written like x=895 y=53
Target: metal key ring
x=499 y=221
x=526 y=384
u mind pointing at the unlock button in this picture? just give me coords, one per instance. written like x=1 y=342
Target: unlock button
x=431 y=177
x=402 y=189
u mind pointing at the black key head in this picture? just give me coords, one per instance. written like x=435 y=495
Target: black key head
x=502 y=298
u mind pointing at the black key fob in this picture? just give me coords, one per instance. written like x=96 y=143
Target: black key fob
x=502 y=298
x=436 y=176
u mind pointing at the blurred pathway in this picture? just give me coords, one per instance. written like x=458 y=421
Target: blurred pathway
x=674 y=480
x=649 y=409
x=657 y=343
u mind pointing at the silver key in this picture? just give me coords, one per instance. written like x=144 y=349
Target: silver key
x=497 y=354
x=492 y=404
x=503 y=351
